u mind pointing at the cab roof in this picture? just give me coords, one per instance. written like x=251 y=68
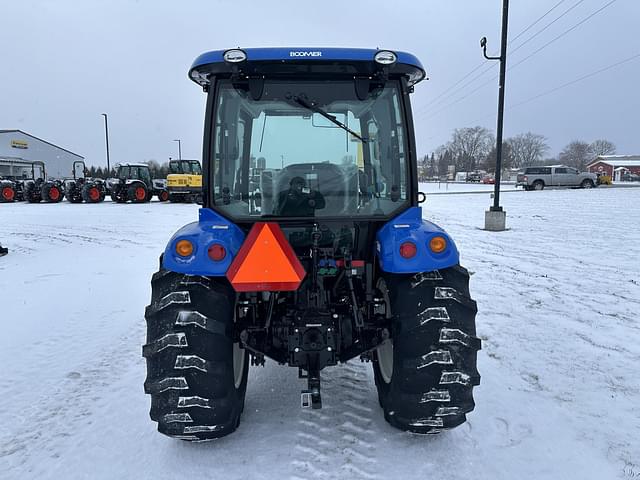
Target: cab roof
x=129 y=164
x=321 y=60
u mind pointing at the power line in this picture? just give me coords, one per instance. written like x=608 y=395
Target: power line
x=564 y=33
x=537 y=21
x=439 y=98
x=568 y=84
x=458 y=82
x=442 y=99
x=563 y=14
x=444 y=96
x=579 y=79
x=449 y=105
x=558 y=37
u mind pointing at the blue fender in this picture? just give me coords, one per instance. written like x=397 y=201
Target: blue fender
x=410 y=226
x=210 y=229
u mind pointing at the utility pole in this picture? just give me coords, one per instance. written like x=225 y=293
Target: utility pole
x=106 y=135
x=179 y=149
x=495 y=218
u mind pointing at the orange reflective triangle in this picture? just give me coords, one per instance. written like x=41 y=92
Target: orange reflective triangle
x=265 y=262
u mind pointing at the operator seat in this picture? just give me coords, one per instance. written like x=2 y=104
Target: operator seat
x=337 y=184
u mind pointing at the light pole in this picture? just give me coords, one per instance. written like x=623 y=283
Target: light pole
x=106 y=136
x=179 y=149
x=495 y=218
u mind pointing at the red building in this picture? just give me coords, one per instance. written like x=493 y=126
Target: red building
x=616 y=166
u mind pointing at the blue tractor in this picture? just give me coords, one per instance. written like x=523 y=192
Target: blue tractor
x=310 y=248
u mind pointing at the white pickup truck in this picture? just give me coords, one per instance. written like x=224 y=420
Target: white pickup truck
x=536 y=178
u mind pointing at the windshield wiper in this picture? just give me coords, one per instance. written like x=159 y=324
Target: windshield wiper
x=314 y=108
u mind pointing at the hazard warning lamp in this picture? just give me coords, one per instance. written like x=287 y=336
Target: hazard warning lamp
x=265 y=262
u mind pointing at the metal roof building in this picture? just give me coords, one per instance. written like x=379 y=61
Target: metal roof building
x=18 y=149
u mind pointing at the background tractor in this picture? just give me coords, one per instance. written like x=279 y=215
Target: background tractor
x=316 y=256
x=604 y=179
x=10 y=190
x=184 y=181
x=38 y=188
x=133 y=183
x=82 y=188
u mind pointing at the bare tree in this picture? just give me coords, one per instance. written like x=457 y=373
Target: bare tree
x=157 y=169
x=601 y=147
x=576 y=154
x=470 y=146
x=489 y=162
x=527 y=149
x=423 y=165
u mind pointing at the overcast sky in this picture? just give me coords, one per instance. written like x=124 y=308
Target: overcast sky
x=65 y=62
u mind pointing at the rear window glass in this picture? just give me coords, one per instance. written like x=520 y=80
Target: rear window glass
x=538 y=171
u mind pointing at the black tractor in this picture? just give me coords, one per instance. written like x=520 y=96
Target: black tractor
x=82 y=188
x=10 y=189
x=40 y=189
x=133 y=183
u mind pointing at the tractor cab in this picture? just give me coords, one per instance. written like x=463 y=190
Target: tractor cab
x=81 y=188
x=134 y=171
x=133 y=183
x=30 y=180
x=321 y=133
x=184 y=182
x=185 y=167
x=40 y=188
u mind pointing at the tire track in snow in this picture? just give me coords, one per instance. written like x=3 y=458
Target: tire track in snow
x=338 y=441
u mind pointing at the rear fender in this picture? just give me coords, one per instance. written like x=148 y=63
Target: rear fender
x=210 y=229
x=410 y=226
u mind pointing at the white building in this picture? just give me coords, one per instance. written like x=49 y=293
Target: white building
x=18 y=149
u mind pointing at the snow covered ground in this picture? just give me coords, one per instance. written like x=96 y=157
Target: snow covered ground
x=463 y=187
x=558 y=297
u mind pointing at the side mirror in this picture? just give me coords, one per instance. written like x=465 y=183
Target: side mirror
x=422 y=197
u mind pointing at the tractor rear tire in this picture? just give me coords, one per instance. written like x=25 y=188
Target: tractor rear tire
x=73 y=195
x=138 y=193
x=92 y=194
x=118 y=198
x=196 y=374
x=426 y=371
x=32 y=193
x=7 y=194
x=52 y=193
